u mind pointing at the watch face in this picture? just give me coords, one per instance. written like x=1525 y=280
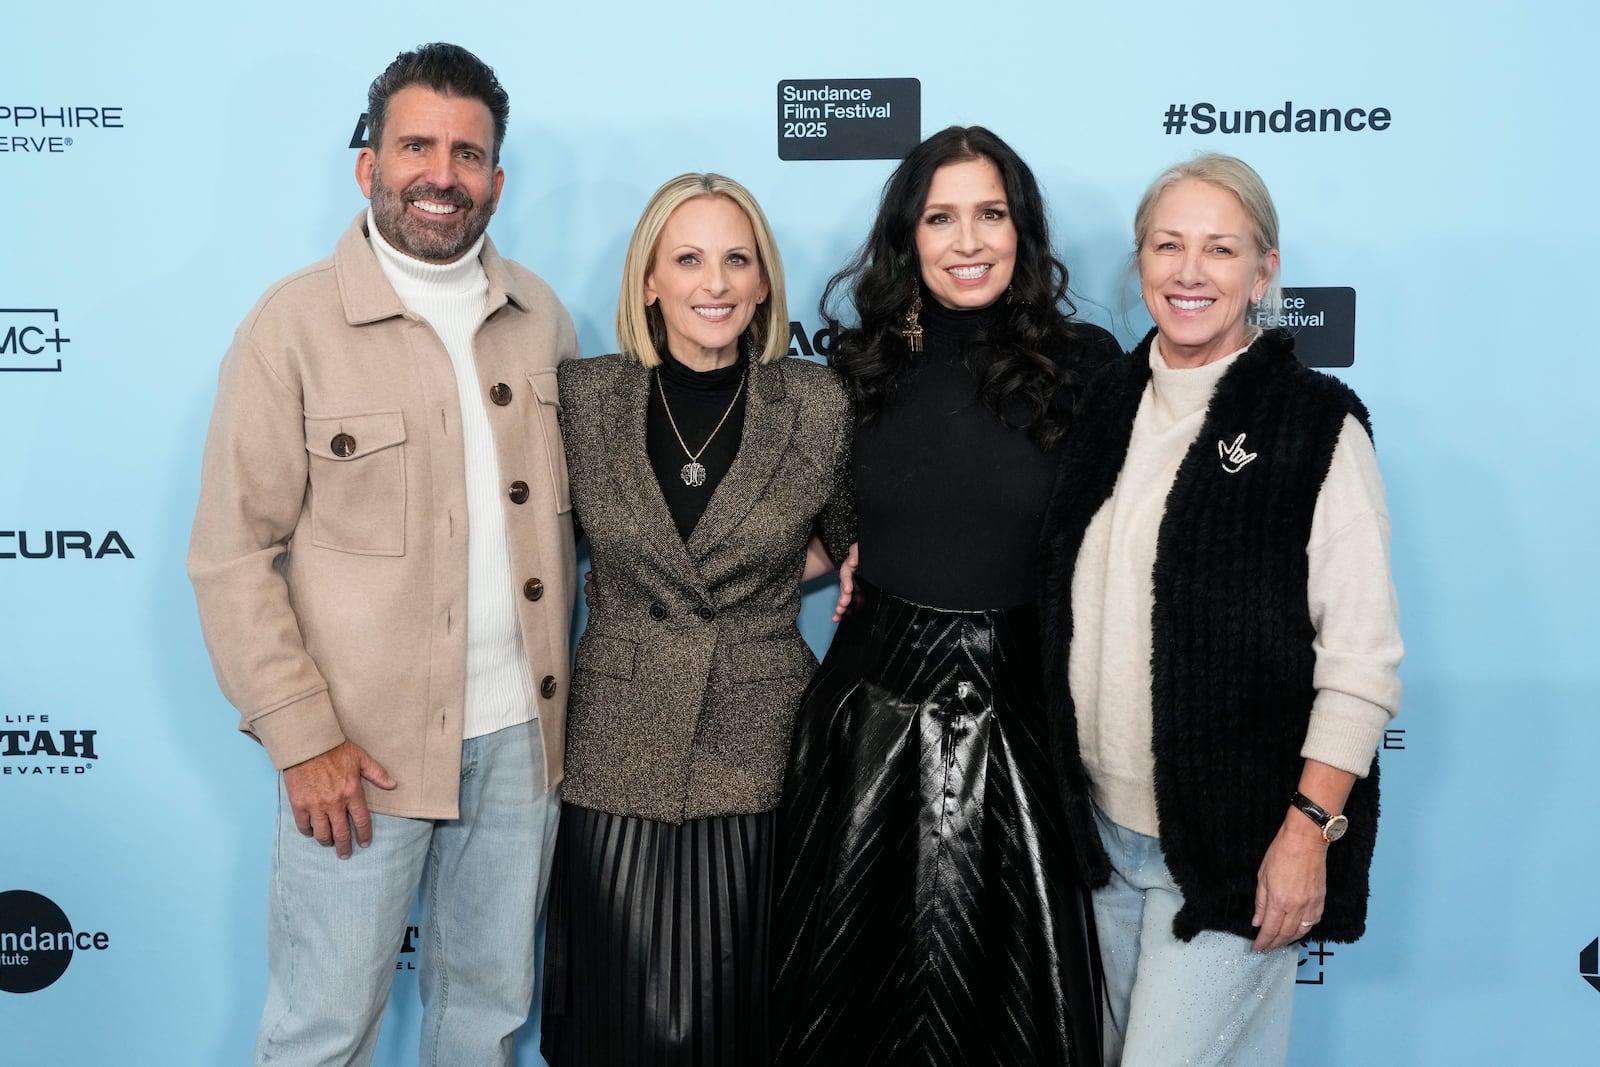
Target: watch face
x=1336 y=827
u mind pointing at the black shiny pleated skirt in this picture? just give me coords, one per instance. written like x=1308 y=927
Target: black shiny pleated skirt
x=656 y=946
x=927 y=905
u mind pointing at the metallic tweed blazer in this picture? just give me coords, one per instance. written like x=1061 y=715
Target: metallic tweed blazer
x=690 y=671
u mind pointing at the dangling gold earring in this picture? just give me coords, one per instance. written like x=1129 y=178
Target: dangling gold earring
x=912 y=330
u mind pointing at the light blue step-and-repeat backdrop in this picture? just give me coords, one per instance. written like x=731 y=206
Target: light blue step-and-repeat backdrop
x=161 y=164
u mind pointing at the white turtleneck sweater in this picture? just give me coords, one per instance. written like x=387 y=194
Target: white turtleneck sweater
x=451 y=298
x=1349 y=591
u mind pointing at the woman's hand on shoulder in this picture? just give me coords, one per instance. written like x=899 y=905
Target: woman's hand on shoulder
x=847 y=582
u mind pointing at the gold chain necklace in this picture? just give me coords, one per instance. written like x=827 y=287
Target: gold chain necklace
x=692 y=472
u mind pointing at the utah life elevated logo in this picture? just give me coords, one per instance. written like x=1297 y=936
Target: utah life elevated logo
x=408 y=947
x=37 y=942
x=31 y=746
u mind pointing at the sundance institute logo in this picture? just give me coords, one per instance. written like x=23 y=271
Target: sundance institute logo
x=37 y=941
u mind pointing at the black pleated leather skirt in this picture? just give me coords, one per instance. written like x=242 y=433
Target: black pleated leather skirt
x=655 y=951
x=928 y=909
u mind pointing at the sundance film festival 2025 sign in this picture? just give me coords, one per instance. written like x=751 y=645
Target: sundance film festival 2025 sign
x=849 y=118
x=1322 y=319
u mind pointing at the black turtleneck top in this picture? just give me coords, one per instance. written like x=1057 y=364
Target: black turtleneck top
x=698 y=400
x=949 y=499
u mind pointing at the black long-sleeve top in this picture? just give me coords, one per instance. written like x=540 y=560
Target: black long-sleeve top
x=950 y=498
x=698 y=399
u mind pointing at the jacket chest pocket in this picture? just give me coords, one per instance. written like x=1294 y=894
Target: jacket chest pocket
x=547 y=434
x=358 y=482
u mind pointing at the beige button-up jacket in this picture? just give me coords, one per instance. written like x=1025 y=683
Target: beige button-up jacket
x=329 y=551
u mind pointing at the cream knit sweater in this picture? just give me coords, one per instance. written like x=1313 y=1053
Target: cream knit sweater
x=1350 y=593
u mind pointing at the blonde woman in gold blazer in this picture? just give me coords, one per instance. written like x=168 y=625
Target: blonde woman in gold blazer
x=707 y=471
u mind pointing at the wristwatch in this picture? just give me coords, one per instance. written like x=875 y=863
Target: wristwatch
x=1333 y=826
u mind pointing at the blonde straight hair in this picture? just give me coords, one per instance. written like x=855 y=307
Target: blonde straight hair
x=640 y=331
x=1236 y=176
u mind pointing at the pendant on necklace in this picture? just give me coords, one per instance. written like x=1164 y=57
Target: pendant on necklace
x=693 y=473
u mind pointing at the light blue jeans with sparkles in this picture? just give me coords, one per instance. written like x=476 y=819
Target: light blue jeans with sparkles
x=335 y=926
x=1210 y=1001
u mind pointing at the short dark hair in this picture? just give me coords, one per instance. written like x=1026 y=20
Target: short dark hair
x=447 y=69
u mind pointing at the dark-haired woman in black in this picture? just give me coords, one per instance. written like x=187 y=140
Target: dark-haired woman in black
x=928 y=907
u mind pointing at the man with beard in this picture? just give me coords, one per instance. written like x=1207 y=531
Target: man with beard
x=383 y=559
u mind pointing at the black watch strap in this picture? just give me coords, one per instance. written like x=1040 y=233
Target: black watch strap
x=1314 y=811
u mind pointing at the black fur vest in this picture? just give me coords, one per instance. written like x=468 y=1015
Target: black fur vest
x=1231 y=662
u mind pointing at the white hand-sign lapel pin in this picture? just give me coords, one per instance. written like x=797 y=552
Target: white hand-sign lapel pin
x=1234 y=457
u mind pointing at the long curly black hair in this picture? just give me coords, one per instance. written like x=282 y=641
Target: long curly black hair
x=1024 y=374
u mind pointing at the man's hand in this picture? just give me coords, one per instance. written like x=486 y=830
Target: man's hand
x=325 y=794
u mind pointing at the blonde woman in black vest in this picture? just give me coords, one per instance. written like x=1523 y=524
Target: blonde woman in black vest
x=1221 y=641
x=702 y=464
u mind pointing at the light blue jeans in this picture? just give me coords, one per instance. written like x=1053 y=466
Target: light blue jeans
x=1210 y=1001
x=335 y=926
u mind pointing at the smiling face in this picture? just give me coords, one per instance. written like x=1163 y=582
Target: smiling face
x=706 y=280
x=432 y=181
x=1200 y=270
x=966 y=242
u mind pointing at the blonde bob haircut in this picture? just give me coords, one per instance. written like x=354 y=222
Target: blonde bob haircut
x=1236 y=176
x=640 y=331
